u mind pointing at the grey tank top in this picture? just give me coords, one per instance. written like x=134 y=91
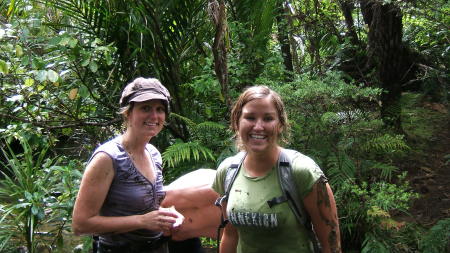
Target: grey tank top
x=130 y=192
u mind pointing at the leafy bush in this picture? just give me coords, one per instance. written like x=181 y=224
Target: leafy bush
x=37 y=196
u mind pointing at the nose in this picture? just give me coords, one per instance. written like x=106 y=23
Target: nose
x=153 y=113
x=259 y=124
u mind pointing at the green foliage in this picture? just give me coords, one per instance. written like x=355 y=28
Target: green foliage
x=181 y=152
x=438 y=238
x=365 y=208
x=202 y=148
x=35 y=193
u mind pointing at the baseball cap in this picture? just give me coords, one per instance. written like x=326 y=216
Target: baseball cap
x=144 y=89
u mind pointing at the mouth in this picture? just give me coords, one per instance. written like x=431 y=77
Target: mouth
x=258 y=136
x=150 y=124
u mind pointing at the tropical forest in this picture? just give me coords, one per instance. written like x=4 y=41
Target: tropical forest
x=365 y=84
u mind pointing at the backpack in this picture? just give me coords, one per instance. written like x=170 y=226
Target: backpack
x=288 y=188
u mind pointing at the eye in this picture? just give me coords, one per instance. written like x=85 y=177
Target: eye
x=161 y=109
x=268 y=118
x=249 y=117
x=146 y=108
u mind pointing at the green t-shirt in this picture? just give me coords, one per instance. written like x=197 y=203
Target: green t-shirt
x=261 y=228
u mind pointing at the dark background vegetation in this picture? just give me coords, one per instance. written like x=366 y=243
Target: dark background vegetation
x=365 y=84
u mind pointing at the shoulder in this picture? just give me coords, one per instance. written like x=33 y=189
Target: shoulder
x=111 y=148
x=305 y=171
x=218 y=184
x=155 y=154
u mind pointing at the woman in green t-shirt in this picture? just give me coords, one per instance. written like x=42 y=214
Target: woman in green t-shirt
x=259 y=121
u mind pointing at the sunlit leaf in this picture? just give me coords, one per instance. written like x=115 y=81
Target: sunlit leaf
x=64 y=41
x=52 y=75
x=73 y=93
x=19 y=51
x=29 y=82
x=3 y=67
x=41 y=75
x=73 y=43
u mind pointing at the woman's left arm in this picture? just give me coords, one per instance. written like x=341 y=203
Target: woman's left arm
x=321 y=206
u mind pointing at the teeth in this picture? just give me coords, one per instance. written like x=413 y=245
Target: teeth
x=150 y=124
x=260 y=137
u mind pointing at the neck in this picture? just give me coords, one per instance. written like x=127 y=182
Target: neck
x=133 y=143
x=258 y=164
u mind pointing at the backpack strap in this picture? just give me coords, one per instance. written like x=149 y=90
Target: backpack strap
x=230 y=176
x=290 y=193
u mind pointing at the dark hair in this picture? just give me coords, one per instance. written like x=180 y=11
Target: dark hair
x=257 y=92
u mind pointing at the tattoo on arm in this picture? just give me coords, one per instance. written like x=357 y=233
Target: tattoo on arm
x=323 y=199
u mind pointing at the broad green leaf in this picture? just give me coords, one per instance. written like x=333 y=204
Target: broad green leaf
x=34 y=210
x=29 y=82
x=41 y=75
x=4 y=67
x=64 y=41
x=84 y=92
x=85 y=62
x=93 y=66
x=73 y=93
x=73 y=43
x=52 y=76
x=28 y=196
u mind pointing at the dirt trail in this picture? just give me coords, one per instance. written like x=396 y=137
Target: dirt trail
x=429 y=174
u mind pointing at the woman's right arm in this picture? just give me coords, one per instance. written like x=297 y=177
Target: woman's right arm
x=94 y=187
x=229 y=240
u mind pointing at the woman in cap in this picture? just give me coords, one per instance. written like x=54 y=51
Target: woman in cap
x=122 y=186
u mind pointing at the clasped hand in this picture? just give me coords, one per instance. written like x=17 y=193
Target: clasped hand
x=164 y=219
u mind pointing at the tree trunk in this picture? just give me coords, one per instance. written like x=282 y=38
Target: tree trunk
x=347 y=8
x=217 y=12
x=390 y=56
x=283 y=38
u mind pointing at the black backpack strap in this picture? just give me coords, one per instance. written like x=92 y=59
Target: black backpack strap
x=289 y=189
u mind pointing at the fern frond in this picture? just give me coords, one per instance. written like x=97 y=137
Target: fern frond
x=386 y=143
x=386 y=170
x=340 y=168
x=189 y=151
x=209 y=126
x=186 y=120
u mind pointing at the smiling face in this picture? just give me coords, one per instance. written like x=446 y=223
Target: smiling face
x=147 y=118
x=259 y=125
x=259 y=119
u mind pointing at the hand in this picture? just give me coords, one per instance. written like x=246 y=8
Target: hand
x=178 y=222
x=159 y=220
